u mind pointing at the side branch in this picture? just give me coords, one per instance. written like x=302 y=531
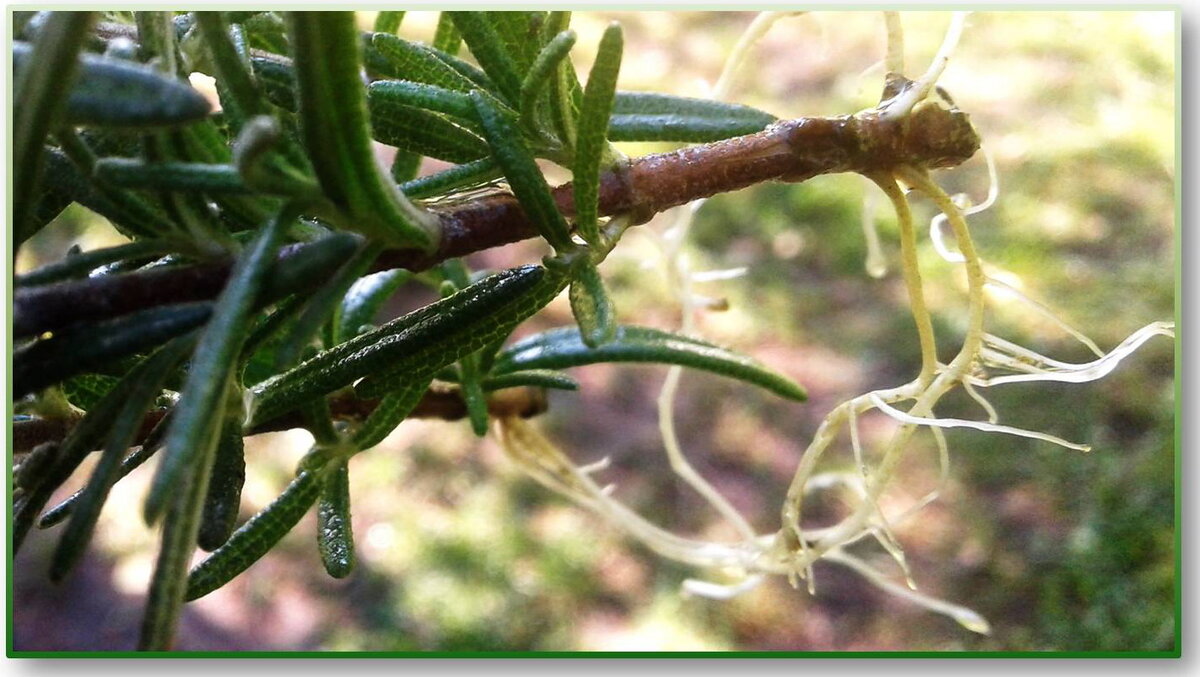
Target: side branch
x=793 y=150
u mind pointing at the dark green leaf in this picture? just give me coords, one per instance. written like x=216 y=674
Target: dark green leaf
x=364 y=299
x=405 y=60
x=526 y=180
x=421 y=342
x=543 y=70
x=137 y=399
x=591 y=137
x=336 y=132
x=335 y=535
x=87 y=348
x=224 y=487
x=256 y=537
x=489 y=50
x=678 y=128
x=592 y=308
x=456 y=178
x=42 y=90
x=540 y=378
x=196 y=428
x=562 y=348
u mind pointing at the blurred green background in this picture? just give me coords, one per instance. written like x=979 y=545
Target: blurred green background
x=1058 y=550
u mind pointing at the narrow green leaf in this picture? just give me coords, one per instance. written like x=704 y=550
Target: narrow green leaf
x=336 y=132
x=224 y=496
x=489 y=50
x=421 y=342
x=643 y=127
x=41 y=88
x=85 y=390
x=456 y=178
x=335 y=535
x=562 y=348
x=137 y=399
x=566 y=95
x=592 y=308
x=133 y=461
x=388 y=22
x=591 y=138
x=650 y=103
x=645 y=116
x=526 y=180
x=421 y=95
x=539 y=378
x=425 y=133
x=520 y=32
x=164 y=601
x=277 y=79
x=469 y=371
x=544 y=68
x=118 y=93
x=182 y=176
x=401 y=398
x=405 y=166
x=322 y=304
x=405 y=60
x=446 y=37
x=79 y=265
x=256 y=537
x=364 y=299
x=196 y=426
x=47 y=361
x=232 y=74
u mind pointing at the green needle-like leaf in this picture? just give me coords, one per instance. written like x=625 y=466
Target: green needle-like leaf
x=425 y=133
x=526 y=180
x=592 y=307
x=591 y=138
x=47 y=361
x=41 y=88
x=644 y=116
x=364 y=299
x=395 y=406
x=649 y=103
x=540 y=378
x=457 y=105
x=335 y=535
x=489 y=50
x=256 y=537
x=336 y=132
x=137 y=399
x=196 y=428
x=118 y=93
x=225 y=486
x=643 y=127
x=543 y=70
x=322 y=305
x=180 y=176
x=456 y=178
x=446 y=37
x=388 y=22
x=562 y=348
x=79 y=265
x=405 y=60
x=421 y=342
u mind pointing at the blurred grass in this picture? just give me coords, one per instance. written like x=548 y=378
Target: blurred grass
x=1059 y=550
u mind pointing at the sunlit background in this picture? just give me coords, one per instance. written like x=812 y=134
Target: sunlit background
x=1058 y=550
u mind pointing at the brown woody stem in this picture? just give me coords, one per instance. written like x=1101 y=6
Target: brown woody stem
x=793 y=150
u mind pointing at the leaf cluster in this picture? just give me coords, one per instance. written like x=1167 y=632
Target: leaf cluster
x=105 y=116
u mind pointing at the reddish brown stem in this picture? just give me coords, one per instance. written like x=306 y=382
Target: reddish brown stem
x=792 y=150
